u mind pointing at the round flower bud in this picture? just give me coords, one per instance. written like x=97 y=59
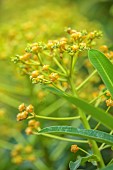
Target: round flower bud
x=26 y=56
x=31 y=122
x=75 y=48
x=45 y=67
x=24 y=115
x=74 y=148
x=19 y=117
x=22 y=107
x=37 y=124
x=35 y=48
x=53 y=77
x=34 y=74
x=30 y=108
x=28 y=149
x=104 y=48
x=108 y=93
x=31 y=158
x=28 y=130
x=17 y=159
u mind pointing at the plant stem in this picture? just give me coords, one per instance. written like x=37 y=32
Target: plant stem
x=53 y=70
x=60 y=66
x=102 y=146
x=61 y=138
x=56 y=118
x=98 y=124
x=85 y=151
x=83 y=116
x=86 y=80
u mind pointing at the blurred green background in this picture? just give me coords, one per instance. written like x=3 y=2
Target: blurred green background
x=23 y=22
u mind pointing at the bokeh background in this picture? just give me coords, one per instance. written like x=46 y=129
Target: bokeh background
x=23 y=22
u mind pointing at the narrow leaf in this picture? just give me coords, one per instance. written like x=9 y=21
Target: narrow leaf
x=103 y=66
x=100 y=115
x=96 y=135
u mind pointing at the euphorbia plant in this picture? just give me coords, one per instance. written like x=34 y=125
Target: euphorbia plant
x=56 y=65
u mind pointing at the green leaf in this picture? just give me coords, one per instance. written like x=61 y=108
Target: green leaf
x=76 y=164
x=110 y=167
x=96 y=135
x=100 y=115
x=103 y=66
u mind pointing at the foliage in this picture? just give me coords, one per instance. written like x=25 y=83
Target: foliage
x=68 y=105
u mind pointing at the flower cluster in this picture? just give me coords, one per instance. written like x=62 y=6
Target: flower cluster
x=32 y=124
x=108 y=53
x=24 y=111
x=22 y=153
x=50 y=62
x=109 y=101
x=74 y=148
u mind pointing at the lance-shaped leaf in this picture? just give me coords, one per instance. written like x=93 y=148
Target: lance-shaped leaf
x=96 y=135
x=103 y=66
x=100 y=115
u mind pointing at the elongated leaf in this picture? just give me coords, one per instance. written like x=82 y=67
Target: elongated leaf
x=103 y=66
x=76 y=164
x=96 y=135
x=98 y=114
x=110 y=167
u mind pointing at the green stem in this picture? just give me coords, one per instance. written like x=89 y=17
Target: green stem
x=110 y=162
x=84 y=119
x=53 y=70
x=102 y=146
x=106 y=146
x=56 y=118
x=39 y=58
x=86 y=80
x=61 y=138
x=96 y=98
x=59 y=65
x=93 y=143
x=98 y=124
x=85 y=151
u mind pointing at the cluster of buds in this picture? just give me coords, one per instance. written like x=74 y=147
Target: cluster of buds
x=38 y=77
x=35 y=47
x=32 y=124
x=24 y=111
x=105 y=50
x=83 y=38
x=22 y=153
x=53 y=77
x=78 y=41
x=25 y=57
x=43 y=61
x=74 y=148
x=108 y=94
x=109 y=102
